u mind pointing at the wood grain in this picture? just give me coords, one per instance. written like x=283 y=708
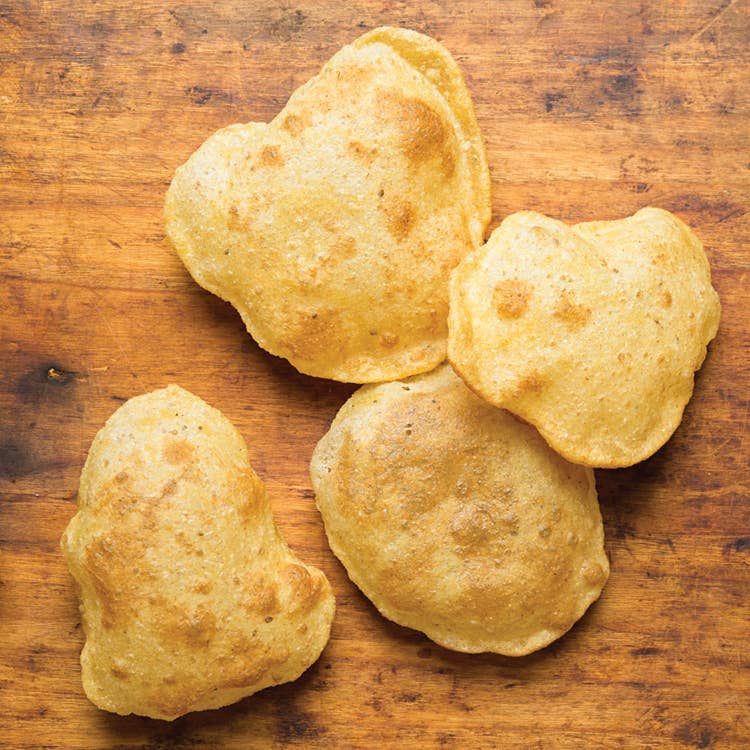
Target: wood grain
x=589 y=110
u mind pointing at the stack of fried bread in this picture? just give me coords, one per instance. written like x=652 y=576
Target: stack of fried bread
x=460 y=495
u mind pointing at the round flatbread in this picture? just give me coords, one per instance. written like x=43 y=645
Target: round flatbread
x=190 y=598
x=334 y=228
x=592 y=333
x=456 y=519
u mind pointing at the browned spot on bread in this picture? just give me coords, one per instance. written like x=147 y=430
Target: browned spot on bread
x=270 y=156
x=478 y=524
x=119 y=673
x=404 y=594
x=559 y=620
x=362 y=152
x=263 y=600
x=233 y=220
x=342 y=248
x=399 y=218
x=169 y=488
x=250 y=671
x=478 y=589
x=543 y=236
x=472 y=525
x=422 y=253
x=574 y=316
x=173 y=703
x=666 y=299
x=330 y=224
x=425 y=135
x=194 y=629
x=178 y=452
x=246 y=680
x=531 y=383
x=253 y=492
x=294 y=124
x=314 y=332
x=347 y=474
x=116 y=563
x=104 y=564
x=511 y=298
x=305 y=588
x=203 y=587
x=448 y=162
x=436 y=319
x=295 y=575
x=388 y=340
x=185 y=541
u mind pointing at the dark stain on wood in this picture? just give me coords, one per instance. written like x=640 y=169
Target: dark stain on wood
x=201 y=95
x=294 y=725
x=621 y=87
x=694 y=734
x=623 y=530
x=36 y=655
x=408 y=697
x=710 y=210
x=8 y=14
x=195 y=20
x=32 y=385
x=446 y=739
x=15 y=459
x=99 y=29
x=738 y=545
x=287 y=25
x=552 y=99
x=175 y=737
x=668 y=542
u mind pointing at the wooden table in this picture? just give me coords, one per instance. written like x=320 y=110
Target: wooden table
x=589 y=110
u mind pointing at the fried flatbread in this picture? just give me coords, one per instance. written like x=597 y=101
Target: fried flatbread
x=456 y=519
x=190 y=598
x=591 y=333
x=334 y=228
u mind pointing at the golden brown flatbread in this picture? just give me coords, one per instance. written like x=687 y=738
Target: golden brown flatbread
x=334 y=228
x=456 y=519
x=591 y=333
x=190 y=598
